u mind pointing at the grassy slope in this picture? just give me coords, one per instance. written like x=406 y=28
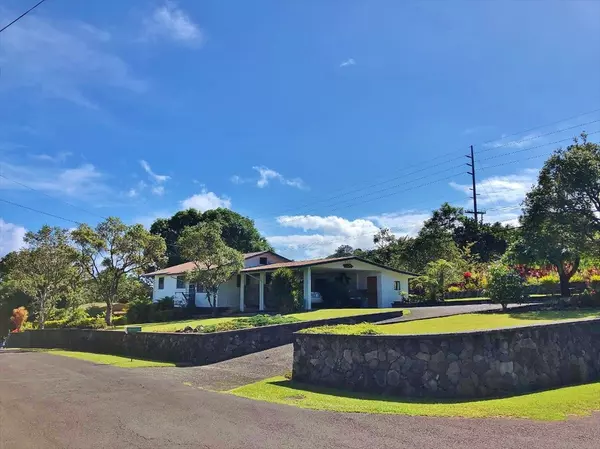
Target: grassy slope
x=113 y=360
x=458 y=323
x=172 y=326
x=550 y=405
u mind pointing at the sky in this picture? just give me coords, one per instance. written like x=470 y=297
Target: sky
x=321 y=120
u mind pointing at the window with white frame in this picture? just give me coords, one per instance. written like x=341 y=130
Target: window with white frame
x=397 y=285
x=161 y=283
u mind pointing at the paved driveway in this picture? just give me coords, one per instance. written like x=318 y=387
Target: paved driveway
x=49 y=402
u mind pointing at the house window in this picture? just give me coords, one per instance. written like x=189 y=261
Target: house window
x=180 y=282
x=262 y=260
x=200 y=288
x=161 y=283
x=397 y=285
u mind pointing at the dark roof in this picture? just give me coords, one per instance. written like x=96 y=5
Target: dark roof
x=313 y=262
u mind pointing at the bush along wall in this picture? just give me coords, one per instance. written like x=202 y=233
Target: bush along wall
x=183 y=348
x=465 y=365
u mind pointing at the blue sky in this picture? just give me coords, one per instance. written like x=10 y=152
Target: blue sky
x=321 y=120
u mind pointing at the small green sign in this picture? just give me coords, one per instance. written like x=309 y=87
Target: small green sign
x=133 y=329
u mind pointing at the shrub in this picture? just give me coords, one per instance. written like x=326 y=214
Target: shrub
x=55 y=324
x=19 y=318
x=119 y=320
x=87 y=323
x=577 y=277
x=246 y=323
x=139 y=311
x=595 y=282
x=166 y=303
x=505 y=286
x=96 y=310
x=344 y=329
x=286 y=289
x=454 y=289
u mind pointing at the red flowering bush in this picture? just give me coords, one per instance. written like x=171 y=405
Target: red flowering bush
x=19 y=317
x=467 y=275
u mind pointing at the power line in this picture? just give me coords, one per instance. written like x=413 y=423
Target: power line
x=22 y=15
x=53 y=197
x=40 y=211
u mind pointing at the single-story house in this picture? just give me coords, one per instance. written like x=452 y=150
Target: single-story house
x=368 y=284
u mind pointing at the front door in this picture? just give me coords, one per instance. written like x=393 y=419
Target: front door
x=372 y=291
x=192 y=293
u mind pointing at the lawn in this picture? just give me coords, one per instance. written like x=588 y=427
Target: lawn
x=552 y=405
x=459 y=323
x=104 y=359
x=172 y=326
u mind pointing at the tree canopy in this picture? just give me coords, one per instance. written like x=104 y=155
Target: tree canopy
x=237 y=231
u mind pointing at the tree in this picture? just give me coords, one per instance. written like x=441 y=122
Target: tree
x=342 y=251
x=438 y=275
x=113 y=251
x=560 y=222
x=237 y=231
x=45 y=269
x=505 y=286
x=214 y=261
x=285 y=286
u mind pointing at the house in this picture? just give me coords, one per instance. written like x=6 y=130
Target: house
x=368 y=284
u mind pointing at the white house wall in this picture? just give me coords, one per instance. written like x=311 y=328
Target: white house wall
x=271 y=258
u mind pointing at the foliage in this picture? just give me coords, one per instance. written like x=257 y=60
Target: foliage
x=245 y=323
x=438 y=275
x=166 y=303
x=19 y=318
x=139 y=311
x=344 y=329
x=237 y=231
x=10 y=298
x=77 y=323
x=113 y=251
x=95 y=310
x=120 y=320
x=560 y=223
x=505 y=286
x=454 y=289
x=145 y=311
x=285 y=286
x=45 y=269
x=214 y=262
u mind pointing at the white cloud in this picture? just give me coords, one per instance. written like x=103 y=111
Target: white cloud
x=502 y=189
x=157 y=178
x=61 y=59
x=171 y=22
x=59 y=157
x=266 y=175
x=82 y=182
x=158 y=190
x=348 y=62
x=206 y=200
x=522 y=142
x=237 y=179
x=333 y=231
x=11 y=237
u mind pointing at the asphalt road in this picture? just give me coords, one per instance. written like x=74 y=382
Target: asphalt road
x=49 y=401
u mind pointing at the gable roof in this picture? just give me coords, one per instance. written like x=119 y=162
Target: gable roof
x=189 y=266
x=313 y=262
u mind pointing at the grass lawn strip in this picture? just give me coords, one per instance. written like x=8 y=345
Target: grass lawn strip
x=458 y=323
x=322 y=314
x=552 y=405
x=104 y=359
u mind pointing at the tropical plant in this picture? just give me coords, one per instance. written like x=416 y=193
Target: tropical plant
x=438 y=276
x=285 y=286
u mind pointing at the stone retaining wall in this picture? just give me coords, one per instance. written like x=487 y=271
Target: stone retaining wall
x=468 y=365
x=192 y=348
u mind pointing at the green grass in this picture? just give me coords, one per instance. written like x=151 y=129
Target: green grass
x=552 y=405
x=172 y=326
x=104 y=359
x=458 y=323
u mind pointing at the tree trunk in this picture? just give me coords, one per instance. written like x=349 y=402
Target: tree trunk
x=42 y=316
x=504 y=306
x=109 y=312
x=564 y=284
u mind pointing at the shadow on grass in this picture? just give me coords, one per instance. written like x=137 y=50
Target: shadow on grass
x=556 y=314
x=301 y=387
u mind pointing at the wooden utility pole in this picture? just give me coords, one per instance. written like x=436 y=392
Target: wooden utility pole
x=475 y=212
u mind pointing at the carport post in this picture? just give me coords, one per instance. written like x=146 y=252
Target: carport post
x=242 y=291
x=261 y=291
x=307 y=289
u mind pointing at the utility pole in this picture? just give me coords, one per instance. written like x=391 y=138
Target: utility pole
x=475 y=212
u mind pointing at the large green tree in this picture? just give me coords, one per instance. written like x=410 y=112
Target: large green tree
x=237 y=231
x=113 y=251
x=561 y=214
x=214 y=261
x=45 y=270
